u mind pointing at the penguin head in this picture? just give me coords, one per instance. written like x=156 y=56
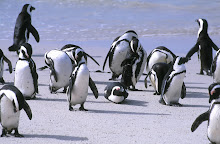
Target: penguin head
x=119 y=91
x=214 y=91
x=203 y=26
x=79 y=56
x=135 y=45
x=25 y=51
x=179 y=63
x=28 y=8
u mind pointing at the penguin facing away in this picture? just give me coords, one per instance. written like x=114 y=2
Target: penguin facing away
x=204 y=47
x=118 y=53
x=215 y=69
x=78 y=86
x=212 y=115
x=11 y=102
x=172 y=84
x=23 y=28
x=26 y=77
x=2 y=59
x=115 y=92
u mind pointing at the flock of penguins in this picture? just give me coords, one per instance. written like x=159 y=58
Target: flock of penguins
x=68 y=70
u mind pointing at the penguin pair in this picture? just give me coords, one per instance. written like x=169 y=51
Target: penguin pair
x=2 y=59
x=172 y=86
x=204 y=47
x=118 y=53
x=26 y=77
x=134 y=64
x=23 y=28
x=212 y=115
x=11 y=102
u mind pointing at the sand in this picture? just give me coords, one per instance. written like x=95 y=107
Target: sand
x=140 y=119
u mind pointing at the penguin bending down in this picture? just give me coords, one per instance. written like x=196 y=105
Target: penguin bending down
x=23 y=28
x=204 y=47
x=26 y=77
x=212 y=115
x=172 y=85
x=2 y=59
x=11 y=102
x=118 y=53
x=215 y=69
x=78 y=86
x=115 y=92
x=134 y=64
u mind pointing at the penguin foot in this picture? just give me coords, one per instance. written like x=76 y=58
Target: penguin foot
x=156 y=93
x=16 y=134
x=71 y=108
x=64 y=90
x=4 y=133
x=2 y=81
x=162 y=101
x=82 y=108
x=175 y=104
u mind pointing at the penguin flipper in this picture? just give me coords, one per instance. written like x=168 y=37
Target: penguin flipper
x=34 y=74
x=203 y=117
x=92 y=58
x=51 y=65
x=9 y=63
x=27 y=109
x=43 y=68
x=93 y=88
x=106 y=58
x=194 y=49
x=183 y=91
x=34 y=32
x=215 y=47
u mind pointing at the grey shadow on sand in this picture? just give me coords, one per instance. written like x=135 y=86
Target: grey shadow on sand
x=195 y=106
x=58 y=137
x=135 y=103
x=50 y=99
x=38 y=55
x=197 y=95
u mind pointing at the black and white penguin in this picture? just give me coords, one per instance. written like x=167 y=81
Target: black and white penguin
x=26 y=77
x=78 y=86
x=23 y=28
x=204 y=47
x=2 y=59
x=216 y=67
x=115 y=92
x=172 y=86
x=12 y=101
x=212 y=115
x=118 y=53
x=134 y=64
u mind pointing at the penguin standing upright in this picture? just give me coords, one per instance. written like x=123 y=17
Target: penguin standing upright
x=79 y=81
x=2 y=59
x=134 y=64
x=171 y=89
x=118 y=53
x=26 y=77
x=204 y=47
x=216 y=67
x=11 y=102
x=23 y=28
x=212 y=115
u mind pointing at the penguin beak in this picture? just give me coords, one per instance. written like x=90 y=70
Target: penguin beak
x=32 y=8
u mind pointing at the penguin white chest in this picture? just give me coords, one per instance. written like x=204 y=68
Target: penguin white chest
x=9 y=118
x=23 y=78
x=116 y=99
x=214 y=124
x=80 y=88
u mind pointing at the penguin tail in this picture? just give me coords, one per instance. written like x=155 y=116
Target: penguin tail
x=13 y=48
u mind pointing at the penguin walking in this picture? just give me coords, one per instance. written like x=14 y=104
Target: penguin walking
x=134 y=64
x=212 y=115
x=78 y=86
x=2 y=59
x=215 y=69
x=204 y=47
x=171 y=89
x=115 y=92
x=26 y=77
x=11 y=102
x=118 y=53
x=23 y=28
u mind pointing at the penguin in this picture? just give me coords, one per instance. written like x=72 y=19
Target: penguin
x=118 y=53
x=2 y=59
x=204 y=47
x=215 y=69
x=78 y=86
x=61 y=68
x=212 y=115
x=115 y=92
x=11 y=102
x=26 y=77
x=172 y=84
x=23 y=28
x=134 y=64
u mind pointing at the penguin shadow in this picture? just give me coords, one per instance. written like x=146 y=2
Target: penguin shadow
x=37 y=55
x=58 y=137
x=196 y=87
x=43 y=85
x=197 y=95
x=51 y=99
x=103 y=82
x=135 y=103
x=7 y=83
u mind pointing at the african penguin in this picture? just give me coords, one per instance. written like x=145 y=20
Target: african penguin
x=78 y=86
x=2 y=59
x=212 y=115
x=115 y=92
x=11 y=102
x=172 y=84
x=204 y=47
x=23 y=28
x=216 y=67
x=118 y=53
x=134 y=64
x=26 y=77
